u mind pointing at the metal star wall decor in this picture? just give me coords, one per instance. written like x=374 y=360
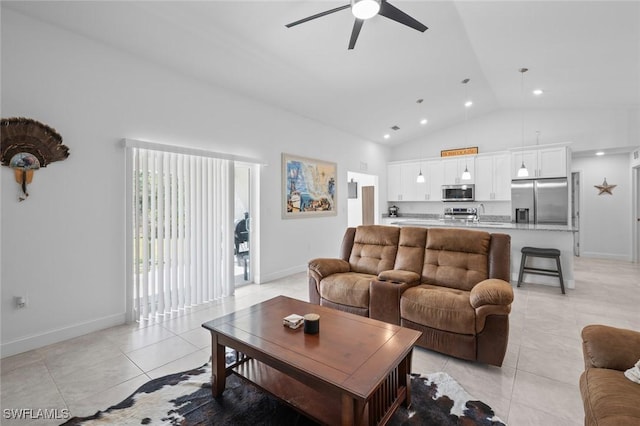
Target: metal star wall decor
x=605 y=188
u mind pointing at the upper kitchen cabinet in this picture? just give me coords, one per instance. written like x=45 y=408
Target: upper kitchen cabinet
x=394 y=182
x=493 y=177
x=402 y=182
x=543 y=162
x=431 y=189
x=454 y=167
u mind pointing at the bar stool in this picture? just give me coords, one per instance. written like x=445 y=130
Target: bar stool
x=548 y=253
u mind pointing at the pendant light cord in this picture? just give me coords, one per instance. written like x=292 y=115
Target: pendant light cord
x=522 y=71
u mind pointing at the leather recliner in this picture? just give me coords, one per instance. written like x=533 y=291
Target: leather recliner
x=451 y=284
x=609 y=397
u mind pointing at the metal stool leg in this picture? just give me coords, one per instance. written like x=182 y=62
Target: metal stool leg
x=560 y=274
x=522 y=262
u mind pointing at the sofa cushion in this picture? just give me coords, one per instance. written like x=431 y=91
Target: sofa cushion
x=374 y=249
x=437 y=307
x=411 y=249
x=350 y=288
x=609 y=398
x=456 y=258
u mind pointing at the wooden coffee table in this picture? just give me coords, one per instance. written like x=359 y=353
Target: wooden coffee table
x=353 y=372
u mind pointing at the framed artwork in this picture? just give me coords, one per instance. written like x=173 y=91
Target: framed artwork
x=309 y=187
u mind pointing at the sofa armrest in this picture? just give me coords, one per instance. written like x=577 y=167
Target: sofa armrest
x=609 y=347
x=491 y=292
x=321 y=268
x=324 y=267
x=399 y=276
x=384 y=300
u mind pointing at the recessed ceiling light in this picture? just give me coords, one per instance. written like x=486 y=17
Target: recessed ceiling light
x=423 y=121
x=538 y=92
x=599 y=153
x=468 y=104
x=387 y=136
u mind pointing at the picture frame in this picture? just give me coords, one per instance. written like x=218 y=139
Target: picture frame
x=309 y=187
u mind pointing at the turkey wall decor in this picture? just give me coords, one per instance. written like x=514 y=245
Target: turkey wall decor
x=28 y=145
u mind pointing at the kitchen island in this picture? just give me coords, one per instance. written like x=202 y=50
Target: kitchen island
x=560 y=237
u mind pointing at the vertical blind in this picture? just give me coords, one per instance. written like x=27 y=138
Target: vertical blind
x=182 y=230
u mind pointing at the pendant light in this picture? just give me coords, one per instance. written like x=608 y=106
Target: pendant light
x=420 y=178
x=467 y=104
x=522 y=172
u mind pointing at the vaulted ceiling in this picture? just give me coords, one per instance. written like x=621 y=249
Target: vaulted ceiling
x=583 y=54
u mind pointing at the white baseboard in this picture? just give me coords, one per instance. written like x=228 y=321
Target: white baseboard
x=58 y=335
x=261 y=279
x=609 y=256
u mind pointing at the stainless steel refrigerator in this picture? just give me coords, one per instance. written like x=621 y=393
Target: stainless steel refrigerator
x=540 y=201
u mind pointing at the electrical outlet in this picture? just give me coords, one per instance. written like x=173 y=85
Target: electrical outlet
x=20 y=301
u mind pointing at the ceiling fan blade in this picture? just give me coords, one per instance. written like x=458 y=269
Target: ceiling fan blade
x=318 y=15
x=357 y=26
x=389 y=11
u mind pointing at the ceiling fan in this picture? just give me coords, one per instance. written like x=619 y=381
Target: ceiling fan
x=365 y=9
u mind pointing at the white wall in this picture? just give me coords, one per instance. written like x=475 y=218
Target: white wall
x=605 y=220
x=586 y=129
x=64 y=247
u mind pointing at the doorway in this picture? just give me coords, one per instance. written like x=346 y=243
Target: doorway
x=636 y=213
x=368 y=205
x=242 y=223
x=362 y=207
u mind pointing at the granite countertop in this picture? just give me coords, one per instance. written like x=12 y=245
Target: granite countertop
x=453 y=223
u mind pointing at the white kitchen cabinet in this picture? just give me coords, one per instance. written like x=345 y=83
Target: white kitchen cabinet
x=394 y=182
x=409 y=174
x=402 y=182
x=493 y=177
x=552 y=162
x=430 y=189
x=454 y=167
x=540 y=162
x=435 y=182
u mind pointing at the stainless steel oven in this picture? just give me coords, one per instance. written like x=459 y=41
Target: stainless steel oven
x=458 y=192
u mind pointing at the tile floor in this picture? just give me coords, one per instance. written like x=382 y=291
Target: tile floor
x=537 y=385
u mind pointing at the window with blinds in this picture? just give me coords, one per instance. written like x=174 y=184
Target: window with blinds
x=181 y=229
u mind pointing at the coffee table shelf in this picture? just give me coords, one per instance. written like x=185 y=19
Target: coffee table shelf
x=309 y=401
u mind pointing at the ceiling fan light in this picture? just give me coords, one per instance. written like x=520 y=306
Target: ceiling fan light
x=522 y=171
x=365 y=9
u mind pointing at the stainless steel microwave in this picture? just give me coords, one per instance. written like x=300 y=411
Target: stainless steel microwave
x=458 y=192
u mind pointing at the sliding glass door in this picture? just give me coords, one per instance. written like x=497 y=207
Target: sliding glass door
x=242 y=224
x=180 y=229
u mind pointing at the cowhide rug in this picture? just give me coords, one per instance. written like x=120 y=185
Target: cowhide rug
x=185 y=399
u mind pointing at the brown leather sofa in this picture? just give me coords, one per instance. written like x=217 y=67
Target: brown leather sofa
x=609 y=397
x=451 y=284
